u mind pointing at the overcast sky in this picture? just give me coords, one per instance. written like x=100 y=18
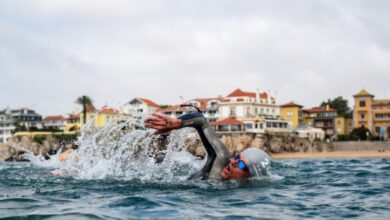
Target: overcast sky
x=53 y=51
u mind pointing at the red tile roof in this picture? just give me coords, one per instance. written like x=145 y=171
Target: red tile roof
x=318 y=110
x=109 y=111
x=54 y=118
x=291 y=104
x=239 y=93
x=228 y=121
x=149 y=102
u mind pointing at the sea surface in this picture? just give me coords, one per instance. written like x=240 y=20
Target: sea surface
x=297 y=189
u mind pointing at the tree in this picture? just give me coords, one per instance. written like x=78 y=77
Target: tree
x=84 y=101
x=340 y=105
x=18 y=126
x=362 y=132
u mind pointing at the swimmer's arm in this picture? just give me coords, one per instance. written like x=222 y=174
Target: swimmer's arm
x=197 y=121
x=217 y=154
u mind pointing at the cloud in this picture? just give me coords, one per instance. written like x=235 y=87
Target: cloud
x=51 y=52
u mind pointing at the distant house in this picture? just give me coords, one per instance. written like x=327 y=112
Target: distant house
x=6 y=125
x=56 y=122
x=229 y=125
x=258 y=111
x=321 y=117
x=371 y=113
x=292 y=113
x=140 y=106
x=28 y=118
x=208 y=106
x=104 y=115
x=306 y=131
x=73 y=123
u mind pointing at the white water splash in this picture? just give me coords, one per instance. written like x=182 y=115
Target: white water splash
x=127 y=151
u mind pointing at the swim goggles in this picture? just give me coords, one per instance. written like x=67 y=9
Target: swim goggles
x=241 y=164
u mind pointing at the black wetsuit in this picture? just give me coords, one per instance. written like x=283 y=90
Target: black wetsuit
x=217 y=153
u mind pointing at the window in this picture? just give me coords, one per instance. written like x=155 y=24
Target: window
x=248 y=126
x=362 y=116
x=290 y=113
x=362 y=103
x=232 y=111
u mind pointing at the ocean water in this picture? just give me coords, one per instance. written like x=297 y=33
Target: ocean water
x=297 y=189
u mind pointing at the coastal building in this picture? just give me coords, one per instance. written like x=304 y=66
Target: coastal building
x=140 y=106
x=6 y=125
x=208 y=106
x=73 y=123
x=371 y=113
x=343 y=125
x=292 y=113
x=321 y=117
x=55 y=122
x=229 y=125
x=90 y=113
x=105 y=115
x=27 y=118
x=309 y=132
x=257 y=111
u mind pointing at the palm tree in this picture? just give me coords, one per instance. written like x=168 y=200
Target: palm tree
x=85 y=101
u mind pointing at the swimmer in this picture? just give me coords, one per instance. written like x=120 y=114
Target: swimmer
x=252 y=162
x=64 y=156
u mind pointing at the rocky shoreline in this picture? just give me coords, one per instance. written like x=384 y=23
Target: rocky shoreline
x=275 y=144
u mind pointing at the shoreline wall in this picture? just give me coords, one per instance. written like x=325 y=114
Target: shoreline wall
x=360 y=145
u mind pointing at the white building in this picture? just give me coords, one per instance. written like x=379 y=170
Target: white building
x=6 y=125
x=27 y=118
x=306 y=131
x=140 y=106
x=208 y=106
x=258 y=111
x=57 y=122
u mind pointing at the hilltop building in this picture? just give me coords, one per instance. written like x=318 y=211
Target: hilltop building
x=27 y=118
x=371 y=113
x=292 y=113
x=140 y=106
x=257 y=111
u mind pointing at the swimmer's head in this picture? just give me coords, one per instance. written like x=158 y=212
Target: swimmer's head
x=252 y=162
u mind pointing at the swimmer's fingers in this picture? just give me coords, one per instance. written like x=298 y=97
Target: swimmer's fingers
x=155 y=126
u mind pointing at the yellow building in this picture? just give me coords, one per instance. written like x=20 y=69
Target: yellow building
x=292 y=113
x=371 y=113
x=103 y=116
x=343 y=126
x=73 y=123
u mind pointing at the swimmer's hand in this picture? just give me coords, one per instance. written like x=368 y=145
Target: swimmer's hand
x=162 y=123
